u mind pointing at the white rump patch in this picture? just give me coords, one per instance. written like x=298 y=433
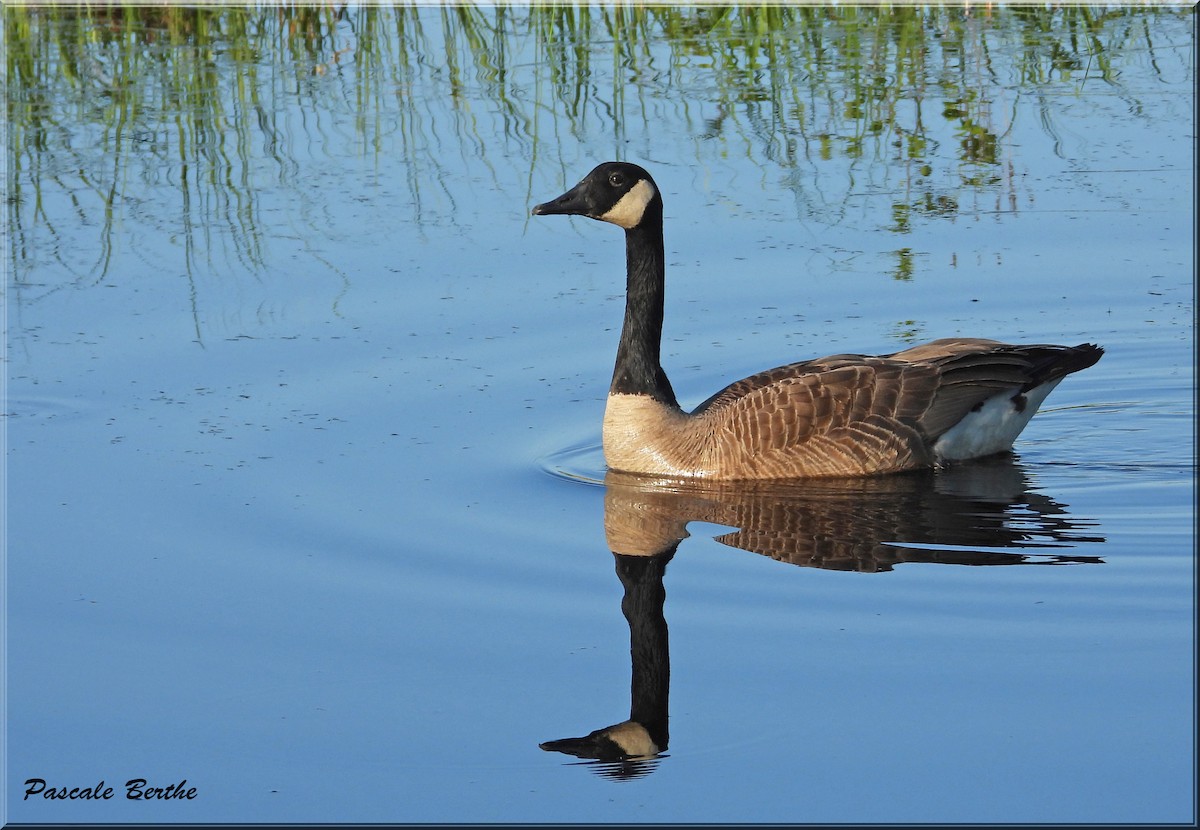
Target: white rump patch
x=992 y=427
x=628 y=212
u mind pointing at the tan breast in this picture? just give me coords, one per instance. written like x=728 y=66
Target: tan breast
x=642 y=435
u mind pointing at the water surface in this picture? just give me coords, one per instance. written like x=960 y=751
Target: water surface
x=305 y=500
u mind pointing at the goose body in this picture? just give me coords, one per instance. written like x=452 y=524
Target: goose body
x=845 y=415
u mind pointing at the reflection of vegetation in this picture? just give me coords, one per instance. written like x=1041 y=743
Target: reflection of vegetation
x=212 y=104
x=907 y=331
x=904 y=264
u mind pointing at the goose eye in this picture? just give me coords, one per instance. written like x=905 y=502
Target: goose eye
x=616 y=179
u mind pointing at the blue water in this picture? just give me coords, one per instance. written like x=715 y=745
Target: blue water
x=307 y=508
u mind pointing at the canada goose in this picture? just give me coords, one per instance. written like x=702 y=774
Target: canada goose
x=845 y=415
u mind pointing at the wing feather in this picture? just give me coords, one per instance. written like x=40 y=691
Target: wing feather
x=845 y=414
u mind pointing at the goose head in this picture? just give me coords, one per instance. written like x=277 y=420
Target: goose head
x=616 y=192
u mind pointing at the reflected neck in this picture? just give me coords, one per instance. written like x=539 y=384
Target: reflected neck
x=642 y=605
x=638 y=370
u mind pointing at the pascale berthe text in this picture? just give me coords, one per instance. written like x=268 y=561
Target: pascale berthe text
x=136 y=789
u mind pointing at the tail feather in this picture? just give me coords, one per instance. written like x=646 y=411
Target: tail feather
x=1055 y=362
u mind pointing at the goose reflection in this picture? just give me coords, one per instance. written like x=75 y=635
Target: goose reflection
x=966 y=515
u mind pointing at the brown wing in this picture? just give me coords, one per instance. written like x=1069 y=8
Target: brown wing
x=854 y=414
x=840 y=415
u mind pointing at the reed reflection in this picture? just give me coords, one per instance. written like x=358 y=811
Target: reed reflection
x=184 y=121
x=964 y=515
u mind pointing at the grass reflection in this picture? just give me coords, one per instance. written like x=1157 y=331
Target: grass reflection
x=209 y=106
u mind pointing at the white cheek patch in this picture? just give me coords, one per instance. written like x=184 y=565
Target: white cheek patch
x=628 y=212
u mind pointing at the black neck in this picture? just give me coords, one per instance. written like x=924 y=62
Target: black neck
x=638 y=370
